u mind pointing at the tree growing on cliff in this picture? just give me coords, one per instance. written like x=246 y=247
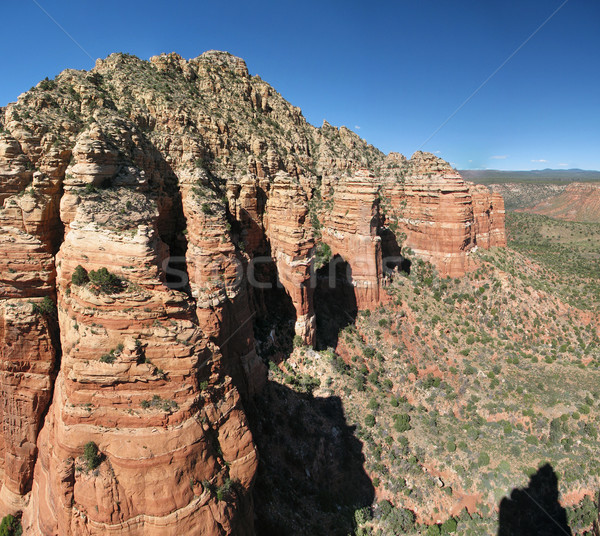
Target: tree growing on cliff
x=10 y=526
x=80 y=276
x=46 y=307
x=104 y=282
x=91 y=455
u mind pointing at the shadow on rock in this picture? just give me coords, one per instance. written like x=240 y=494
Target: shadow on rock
x=534 y=510
x=335 y=301
x=311 y=476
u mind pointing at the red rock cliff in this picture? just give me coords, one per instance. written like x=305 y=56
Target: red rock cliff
x=183 y=179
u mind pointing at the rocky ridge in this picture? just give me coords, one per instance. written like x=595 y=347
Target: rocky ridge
x=579 y=201
x=190 y=182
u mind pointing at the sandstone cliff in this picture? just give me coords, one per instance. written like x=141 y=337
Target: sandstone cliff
x=195 y=188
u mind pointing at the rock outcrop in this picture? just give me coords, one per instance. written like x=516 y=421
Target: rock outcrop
x=27 y=359
x=441 y=216
x=350 y=230
x=292 y=246
x=139 y=379
x=147 y=209
x=488 y=217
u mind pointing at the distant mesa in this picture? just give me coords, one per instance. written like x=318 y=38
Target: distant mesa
x=577 y=202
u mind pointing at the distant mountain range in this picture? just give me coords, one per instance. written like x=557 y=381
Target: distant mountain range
x=538 y=175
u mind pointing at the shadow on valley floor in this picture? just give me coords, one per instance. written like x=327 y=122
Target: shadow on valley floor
x=534 y=510
x=311 y=476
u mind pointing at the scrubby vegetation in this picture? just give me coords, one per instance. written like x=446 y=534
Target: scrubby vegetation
x=46 y=307
x=91 y=456
x=459 y=389
x=568 y=254
x=103 y=282
x=80 y=276
x=100 y=281
x=156 y=402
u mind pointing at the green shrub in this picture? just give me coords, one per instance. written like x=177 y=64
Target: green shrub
x=531 y=439
x=449 y=526
x=45 y=307
x=91 y=455
x=47 y=85
x=10 y=526
x=104 y=282
x=362 y=515
x=108 y=358
x=582 y=515
x=431 y=381
x=322 y=255
x=224 y=492
x=369 y=352
x=80 y=276
x=402 y=422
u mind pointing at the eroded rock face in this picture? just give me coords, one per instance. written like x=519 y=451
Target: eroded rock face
x=217 y=279
x=184 y=179
x=28 y=339
x=140 y=379
x=489 y=215
x=27 y=358
x=350 y=230
x=440 y=216
x=15 y=171
x=292 y=247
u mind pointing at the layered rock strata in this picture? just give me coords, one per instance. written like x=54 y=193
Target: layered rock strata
x=350 y=229
x=179 y=178
x=292 y=246
x=140 y=380
x=440 y=216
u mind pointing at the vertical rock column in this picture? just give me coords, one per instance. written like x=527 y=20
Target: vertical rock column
x=350 y=230
x=27 y=351
x=139 y=379
x=292 y=246
x=218 y=283
x=488 y=214
x=26 y=361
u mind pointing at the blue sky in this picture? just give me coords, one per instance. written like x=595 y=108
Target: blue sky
x=392 y=70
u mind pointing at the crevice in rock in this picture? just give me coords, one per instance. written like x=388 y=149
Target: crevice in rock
x=335 y=301
x=391 y=251
x=275 y=313
x=172 y=225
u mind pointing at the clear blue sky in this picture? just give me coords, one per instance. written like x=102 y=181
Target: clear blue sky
x=392 y=70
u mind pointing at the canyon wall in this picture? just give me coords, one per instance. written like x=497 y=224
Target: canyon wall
x=148 y=213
